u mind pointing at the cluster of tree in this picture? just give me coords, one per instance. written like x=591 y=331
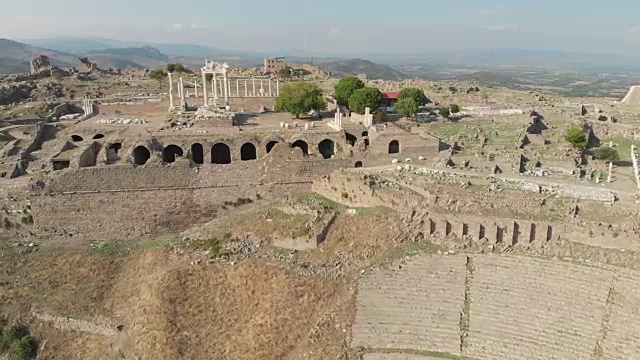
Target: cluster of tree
x=300 y=97
x=177 y=67
x=579 y=138
x=157 y=74
x=351 y=92
x=410 y=100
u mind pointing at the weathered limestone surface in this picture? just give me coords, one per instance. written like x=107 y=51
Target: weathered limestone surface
x=523 y=308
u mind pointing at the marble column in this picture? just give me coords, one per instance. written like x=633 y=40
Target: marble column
x=246 y=91
x=182 y=102
x=277 y=87
x=270 y=88
x=254 y=86
x=238 y=87
x=610 y=171
x=170 y=91
x=215 y=86
x=226 y=88
x=195 y=84
x=261 y=88
x=204 y=90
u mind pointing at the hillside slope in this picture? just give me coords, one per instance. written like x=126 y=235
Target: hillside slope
x=15 y=57
x=145 y=56
x=362 y=67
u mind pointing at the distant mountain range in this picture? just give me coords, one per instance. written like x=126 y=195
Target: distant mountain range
x=65 y=52
x=15 y=57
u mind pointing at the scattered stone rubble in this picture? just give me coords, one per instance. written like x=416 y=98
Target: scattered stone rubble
x=124 y=121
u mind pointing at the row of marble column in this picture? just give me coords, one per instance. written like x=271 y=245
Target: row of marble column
x=87 y=106
x=223 y=88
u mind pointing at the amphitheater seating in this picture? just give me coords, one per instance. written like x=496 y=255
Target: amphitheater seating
x=524 y=308
x=414 y=307
x=623 y=337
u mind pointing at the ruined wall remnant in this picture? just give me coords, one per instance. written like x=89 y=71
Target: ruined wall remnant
x=636 y=165
x=89 y=157
x=587 y=193
x=495 y=231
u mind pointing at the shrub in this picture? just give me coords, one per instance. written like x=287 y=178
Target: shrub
x=16 y=342
x=27 y=219
x=23 y=349
x=606 y=153
x=455 y=108
x=444 y=111
x=577 y=137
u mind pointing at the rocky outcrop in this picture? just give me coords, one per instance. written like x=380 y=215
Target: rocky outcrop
x=87 y=66
x=14 y=93
x=40 y=64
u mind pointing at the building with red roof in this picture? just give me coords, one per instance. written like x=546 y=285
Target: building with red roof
x=389 y=99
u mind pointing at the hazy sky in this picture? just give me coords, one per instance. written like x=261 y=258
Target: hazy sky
x=338 y=26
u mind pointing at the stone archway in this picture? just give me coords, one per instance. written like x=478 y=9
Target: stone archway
x=76 y=138
x=197 y=153
x=248 y=152
x=351 y=139
x=141 y=155
x=327 y=148
x=171 y=152
x=270 y=145
x=220 y=154
x=365 y=133
x=115 y=147
x=358 y=164
x=394 y=147
x=98 y=136
x=301 y=144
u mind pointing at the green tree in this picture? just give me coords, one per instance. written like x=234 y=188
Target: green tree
x=157 y=74
x=367 y=97
x=285 y=72
x=300 y=97
x=444 y=111
x=416 y=94
x=406 y=106
x=179 y=68
x=345 y=87
x=171 y=68
x=606 y=153
x=577 y=137
x=455 y=108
